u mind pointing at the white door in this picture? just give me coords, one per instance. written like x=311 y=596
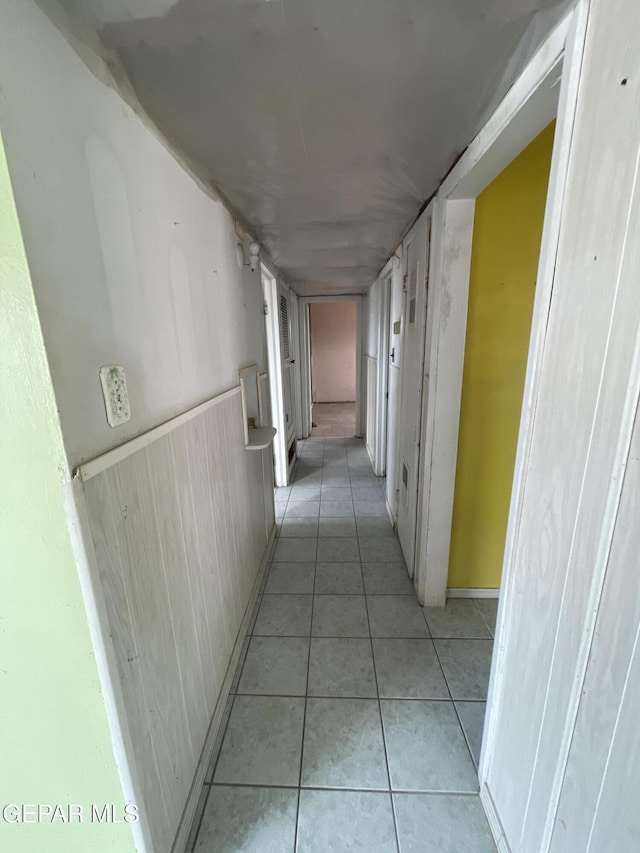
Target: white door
x=288 y=373
x=415 y=254
x=394 y=388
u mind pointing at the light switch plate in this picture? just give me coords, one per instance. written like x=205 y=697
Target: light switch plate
x=116 y=398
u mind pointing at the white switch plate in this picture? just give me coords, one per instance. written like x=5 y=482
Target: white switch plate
x=116 y=398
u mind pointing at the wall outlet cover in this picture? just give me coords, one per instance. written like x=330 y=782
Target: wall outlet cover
x=116 y=398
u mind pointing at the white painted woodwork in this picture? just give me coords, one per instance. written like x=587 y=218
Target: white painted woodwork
x=260 y=438
x=371 y=368
x=377 y=306
x=288 y=371
x=472 y=592
x=268 y=458
x=360 y=391
x=571 y=562
x=602 y=777
x=297 y=362
x=276 y=389
x=180 y=528
x=451 y=260
x=526 y=110
x=414 y=323
x=382 y=390
x=394 y=385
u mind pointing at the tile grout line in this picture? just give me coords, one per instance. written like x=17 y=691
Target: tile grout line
x=489 y=628
x=382 y=732
x=415 y=699
x=404 y=791
x=299 y=788
x=306 y=696
x=455 y=711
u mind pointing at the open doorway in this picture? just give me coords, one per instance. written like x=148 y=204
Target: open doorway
x=333 y=359
x=507 y=234
x=496 y=234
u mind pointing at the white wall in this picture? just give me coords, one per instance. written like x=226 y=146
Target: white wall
x=132 y=263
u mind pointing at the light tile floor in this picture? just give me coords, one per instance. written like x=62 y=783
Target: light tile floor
x=355 y=719
x=334 y=419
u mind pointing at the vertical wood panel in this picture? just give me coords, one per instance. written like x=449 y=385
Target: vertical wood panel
x=179 y=530
x=188 y=520
x=206 y=543
x=562 y=527
x=222 y=514
x=267 y=459
x=171 y=540
x=104 y=510
x=151 y=616
x=602 y=779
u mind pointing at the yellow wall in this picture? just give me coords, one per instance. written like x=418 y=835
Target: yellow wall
x=506 y=246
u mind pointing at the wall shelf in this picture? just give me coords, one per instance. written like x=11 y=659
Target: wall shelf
x=260 y=438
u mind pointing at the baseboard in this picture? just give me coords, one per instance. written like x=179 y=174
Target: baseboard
x=472 y=592
x=495 y=824
x=182 y=836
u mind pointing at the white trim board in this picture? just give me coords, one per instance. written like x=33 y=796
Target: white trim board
x=106 y=460
x=270 y=288
x=524 y=112
x=472 y=592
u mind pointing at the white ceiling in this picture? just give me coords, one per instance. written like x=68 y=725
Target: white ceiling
x=325 y=124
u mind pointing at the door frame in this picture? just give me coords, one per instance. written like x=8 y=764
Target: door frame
x=533 y=101
x=421 y=229
x=297 y=357
x=393 y=270
x=380 y=438
x=270 y=288
x=305 y=358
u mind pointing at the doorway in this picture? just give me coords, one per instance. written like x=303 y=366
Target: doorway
x=331 y=366
x=281 y=335
x=521 y=121
x=507 y=234
x=416 y=265
x=332 y=345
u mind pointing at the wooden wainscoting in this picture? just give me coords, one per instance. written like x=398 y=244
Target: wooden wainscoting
x=180 y=521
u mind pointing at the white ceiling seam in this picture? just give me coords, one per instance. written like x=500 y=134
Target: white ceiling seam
x=324 y=125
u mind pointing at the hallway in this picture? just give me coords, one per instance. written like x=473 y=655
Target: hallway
x=333 y=419
x=356 y=720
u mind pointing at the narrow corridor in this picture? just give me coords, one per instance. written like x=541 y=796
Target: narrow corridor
x=334 y=419
x=356 y=716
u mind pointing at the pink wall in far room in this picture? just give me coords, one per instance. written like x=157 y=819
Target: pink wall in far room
x=333 y=351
